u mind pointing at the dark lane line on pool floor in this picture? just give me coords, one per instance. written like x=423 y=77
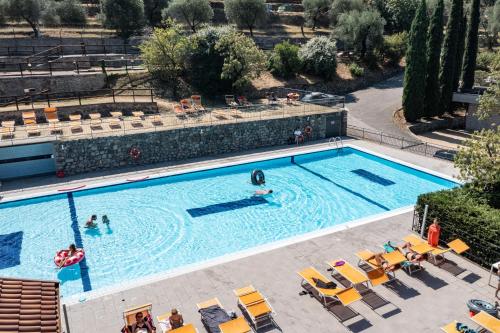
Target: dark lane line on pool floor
x=359 y=195
x=84 y=269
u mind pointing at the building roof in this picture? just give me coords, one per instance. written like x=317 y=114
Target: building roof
x=29 y=306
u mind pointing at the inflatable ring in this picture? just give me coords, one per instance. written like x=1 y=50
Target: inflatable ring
x=308 y=130
x=258 y=177
x=74 y=259
x=135 y=153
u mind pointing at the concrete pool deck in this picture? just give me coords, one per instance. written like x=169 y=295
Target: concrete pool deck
x=420 y=303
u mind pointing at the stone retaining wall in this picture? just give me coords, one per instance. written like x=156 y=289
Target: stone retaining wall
x=104 y=153
x=103 y=108
x=425 y=126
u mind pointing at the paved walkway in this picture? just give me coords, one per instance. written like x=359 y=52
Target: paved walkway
x=419 y=303
x=373 y=107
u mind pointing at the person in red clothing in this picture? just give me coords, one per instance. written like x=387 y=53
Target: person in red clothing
x=434 y=233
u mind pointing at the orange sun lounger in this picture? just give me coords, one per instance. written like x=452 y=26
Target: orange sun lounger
x=256 y=306
x=458 y=246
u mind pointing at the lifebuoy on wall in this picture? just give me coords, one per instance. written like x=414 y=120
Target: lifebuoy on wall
x=308 y=130
x=135 y=153
x=258 y=177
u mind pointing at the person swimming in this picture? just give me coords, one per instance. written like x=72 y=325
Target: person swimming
x=263 y=192
x=91 y=222
x=105 y=219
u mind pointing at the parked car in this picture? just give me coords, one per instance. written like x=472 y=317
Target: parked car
x=321 y=98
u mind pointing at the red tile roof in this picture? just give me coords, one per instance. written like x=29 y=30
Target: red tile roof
x=29 y=306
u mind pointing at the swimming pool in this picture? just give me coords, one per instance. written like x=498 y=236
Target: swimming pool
x=165 y=223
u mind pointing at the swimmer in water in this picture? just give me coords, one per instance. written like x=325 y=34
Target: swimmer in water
x=91 y=222
x=105 y=219
x=263 y=192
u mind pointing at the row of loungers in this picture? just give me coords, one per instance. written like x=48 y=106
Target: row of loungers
x=8 y=127
x=356 y=284
x=215 y=318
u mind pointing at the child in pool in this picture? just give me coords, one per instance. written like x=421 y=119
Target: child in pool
x=105 y=219
x=91 y=222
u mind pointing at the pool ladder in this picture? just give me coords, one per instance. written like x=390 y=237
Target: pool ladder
x=336 y=141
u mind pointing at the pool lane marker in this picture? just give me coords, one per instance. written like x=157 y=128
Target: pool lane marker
x=84 y=269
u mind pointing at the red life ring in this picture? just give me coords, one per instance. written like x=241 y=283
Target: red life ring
x=135 y=153
x=74 y=259
x=308 y=130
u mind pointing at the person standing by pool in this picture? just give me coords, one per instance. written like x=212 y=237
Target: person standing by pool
x=434 y=233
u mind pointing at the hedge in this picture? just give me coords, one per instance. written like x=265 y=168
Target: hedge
x=468 y=216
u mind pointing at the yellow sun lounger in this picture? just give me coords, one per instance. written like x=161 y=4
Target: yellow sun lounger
x=487 y=322
x=238 y=325
x=458 y=246
x=450 y=328
x=256 y=306
x=353 y=275
x=345 y=296
x=129 y=315
x=376 y=275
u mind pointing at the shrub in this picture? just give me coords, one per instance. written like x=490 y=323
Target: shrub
x=319 y=57
x=285 y=61
x=466 y=215
x=71 y=12
x=394 y=47
x=356 y=70
x=488 y=61
x=315 y=10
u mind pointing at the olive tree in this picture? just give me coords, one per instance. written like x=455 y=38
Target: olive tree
x=340 y=7
x=191 y=12
x=361 y=30
x=126 y=16
x=71 y=12
x=246 y=13
x=26 y=10
x=153 y=11
x=315 y=10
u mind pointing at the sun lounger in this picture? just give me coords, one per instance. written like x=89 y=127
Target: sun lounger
x=217 y=320
x=346 y=279
x=450 y=328
x=409 y=266
x=243 y=101
x=29 y=118
x=7 y=129
x=129 y=316
x=53 y=119
x=457 y=246
x=334 y=300
x=164 y=324
x=350 y=273
x=95 y=118
x=487 y=321
x=196 y=99
x=186 y=105
x=76 y=126
x=255 y=306
x=375 y=274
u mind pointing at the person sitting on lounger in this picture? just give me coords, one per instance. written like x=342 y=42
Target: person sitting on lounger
x=410 y=254
x=91 y=222
x=176 y=319
x=263 y=192
x=142 y=325
x=381 y=262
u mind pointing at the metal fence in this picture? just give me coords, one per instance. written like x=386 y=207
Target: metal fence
x=74 y=98
x=421 y=148
x=50 y=68
x=70 y=49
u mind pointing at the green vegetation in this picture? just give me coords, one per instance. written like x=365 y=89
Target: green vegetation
x=319 y=56
x=449 y=57
x=285 y=61
x=491 y=24
x=356 y=70
x=398 y=14
x=470 y=56
x=394 y=47
x=191 y=12
x=457 y=73
x=126 y=16
x=153 y=10
x=246 y=13
x=340 y=7
x=434 y=41
x=414 y=79
x=71 y=12
x=360 y=30
x=25 y=10
x=468 y=215
x=315 y=10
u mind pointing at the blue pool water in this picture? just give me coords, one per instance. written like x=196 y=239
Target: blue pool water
x=169 y=222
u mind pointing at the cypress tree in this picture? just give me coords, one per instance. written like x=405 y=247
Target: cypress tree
x=471 y=50
x=434 y=41
x=414 y=80
x=460 y=53
x=448 y=58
